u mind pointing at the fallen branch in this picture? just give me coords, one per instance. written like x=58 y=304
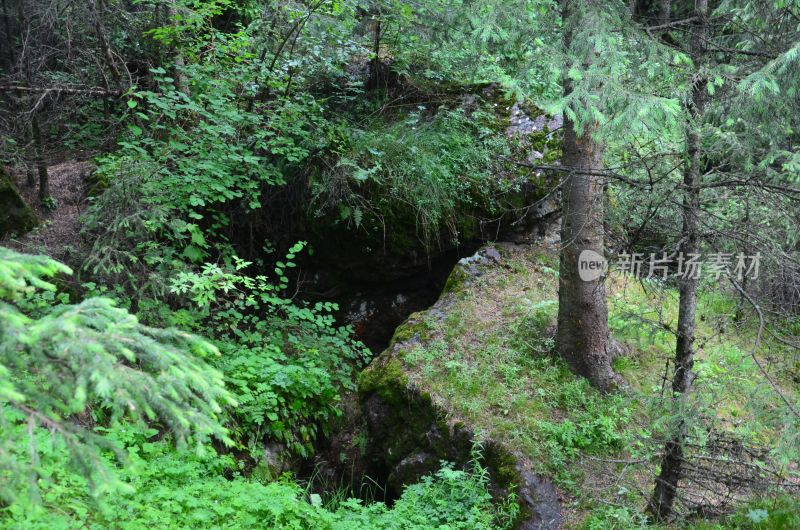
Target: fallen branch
x=65 y=90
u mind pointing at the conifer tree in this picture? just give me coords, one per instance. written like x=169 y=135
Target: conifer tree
x=582 y=336
x=57 y=364
x=672 y=461
x=608 y=63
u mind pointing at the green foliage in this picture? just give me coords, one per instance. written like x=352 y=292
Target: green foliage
x=207 y=148
x=620 y=86
x=95 y=359
x=616 y=518
x=22 y=274
x=422 y=175
x=779 y=513
x=284 y=361
x=243 y=112
x=169 y=489
x=594 y=424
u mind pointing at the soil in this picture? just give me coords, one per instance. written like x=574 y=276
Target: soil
x=59 y=234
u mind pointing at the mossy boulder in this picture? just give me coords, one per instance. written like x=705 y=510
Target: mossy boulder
x=417 y=184
x=16 y=217
x=412 y=428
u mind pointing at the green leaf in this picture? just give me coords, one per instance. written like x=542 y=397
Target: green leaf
x=193 y=253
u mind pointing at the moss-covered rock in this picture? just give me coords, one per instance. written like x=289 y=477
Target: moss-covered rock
x=425 y=181
x=412 y=427
x=477 y=366
x=16 y=217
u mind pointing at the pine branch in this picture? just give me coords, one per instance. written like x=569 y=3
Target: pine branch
x=743 y=52
x=675 y=24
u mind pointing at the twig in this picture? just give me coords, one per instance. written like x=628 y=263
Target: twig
x=757 y=345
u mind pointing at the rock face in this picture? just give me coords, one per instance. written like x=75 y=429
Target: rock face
x=16 y=217
x=412 y=430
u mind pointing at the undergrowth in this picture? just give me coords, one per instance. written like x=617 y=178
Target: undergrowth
x=162 y=488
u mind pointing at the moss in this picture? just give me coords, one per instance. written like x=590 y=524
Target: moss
x=457 y=281
x=550 y=145
x=96 y=183
x=552 y=156
x=482 y=353
x=414 y=326
x=385 y=377
x=16 y=217
x=538 y=140
x=502 y=465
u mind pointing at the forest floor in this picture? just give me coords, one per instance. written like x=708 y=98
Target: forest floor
x=58 y=235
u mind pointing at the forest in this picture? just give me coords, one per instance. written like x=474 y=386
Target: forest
x=400 y=264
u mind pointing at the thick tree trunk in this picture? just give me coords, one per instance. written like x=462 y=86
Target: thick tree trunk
x=582 y=336
x=663 y=499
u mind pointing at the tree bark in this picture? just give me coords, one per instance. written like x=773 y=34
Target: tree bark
x=181 y=82
x=38 y=145
x=9 y=52
x=376 y=65
x=30 y=175
x=664 y=11
x=582 y=335
x=663 y=499
x=29 y=157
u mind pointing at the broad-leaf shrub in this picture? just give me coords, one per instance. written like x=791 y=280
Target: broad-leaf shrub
x=285 y=362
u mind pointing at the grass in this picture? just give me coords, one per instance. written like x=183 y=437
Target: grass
x=486 y=362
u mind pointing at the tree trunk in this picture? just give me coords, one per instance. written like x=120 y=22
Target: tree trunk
x=181 y=82
x=30 y=175
x=663 y=499
x=9 y=52
x=29 y=157
x=108 y=56
x=664 y=11
x=582 y=336
x=376 y=60
x=738 y=314
x=44 y=186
